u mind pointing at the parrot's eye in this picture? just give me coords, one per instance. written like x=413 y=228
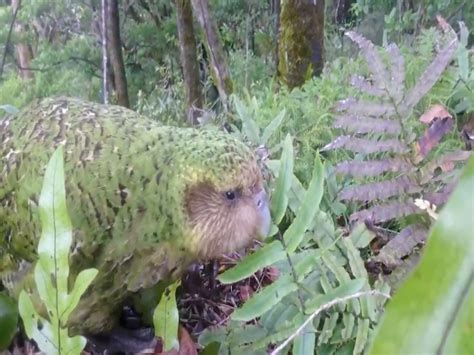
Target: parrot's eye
x=230 y=195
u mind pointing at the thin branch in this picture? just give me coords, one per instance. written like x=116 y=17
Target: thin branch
x=7 y=42
x=323 y=308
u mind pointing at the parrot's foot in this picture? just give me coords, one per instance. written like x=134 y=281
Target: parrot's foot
x=121 y=340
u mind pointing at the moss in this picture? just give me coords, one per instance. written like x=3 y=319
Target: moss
x=300 y=41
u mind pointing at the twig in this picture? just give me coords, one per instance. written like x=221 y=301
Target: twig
x=322 y=308
x=7 y=42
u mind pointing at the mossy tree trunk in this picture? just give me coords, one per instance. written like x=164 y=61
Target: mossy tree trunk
x=300 y=41
x=189 y=61
x=219 y=69
x=114 y=48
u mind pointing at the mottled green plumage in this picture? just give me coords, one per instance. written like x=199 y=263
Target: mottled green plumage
x=126 y=184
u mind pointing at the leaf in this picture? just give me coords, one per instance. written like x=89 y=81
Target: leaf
x=432 y=137
x=368 y=108
x=446 y=162
x=366 y=146
x=264 y=300
x=431 y=75
x=361 y=124
x=8 y=320
x=368 y=307
x=271 y=295
x=345 y=289
x=373 y=59
x=434 y=112
x=366 y=86
x=272 y=126
x=397 y=72
x=361 y=236
x=379 y=190
x=51 y=272
x=166 y=318
x=249 y=127
x=373 y=167
x=328 y=328
x=424 y=315
x=362 y=335
x=283 y=183
x=11 y=110
x=383 y=213
x=308 y=209
x=304 y=343
x=401 y=245
x=265 y=256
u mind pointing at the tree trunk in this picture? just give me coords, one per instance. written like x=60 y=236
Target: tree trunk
x=189 y=61
x=301 y=41
x=23 y=50
x=114 y=48
x=219 y=68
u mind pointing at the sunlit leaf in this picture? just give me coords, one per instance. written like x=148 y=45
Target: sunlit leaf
x=166 y=318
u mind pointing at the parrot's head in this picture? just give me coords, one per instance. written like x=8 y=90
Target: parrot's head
x=225 y=200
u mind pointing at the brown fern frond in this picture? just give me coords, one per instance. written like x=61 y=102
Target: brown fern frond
x=431 y=74
x=367 y=146
x=383 y=213
x=401 y=245
x=398 y=163
x=366 y=108
x=373 y=167
x=360 y=124
x=380 y=190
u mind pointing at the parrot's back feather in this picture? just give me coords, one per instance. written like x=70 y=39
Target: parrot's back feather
x=127 y=183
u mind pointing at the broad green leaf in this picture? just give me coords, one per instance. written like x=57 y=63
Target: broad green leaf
x=8 y=320
x=362 y=335
x=83 y=280
x=271 y=295
x=304 y=343
x=361 y=236
x=349 y=321
x=272 y=126
x=424 y=314
x=367 y=304
x=265 y=256
x=51 y=271
x=166 y=318
x=265 y=299
x=328 y=328
x=283 y=183
x=249 y=127
x=308 y=209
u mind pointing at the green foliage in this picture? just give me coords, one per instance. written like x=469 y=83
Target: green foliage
x=313 y=264
x=52 y=270
x=166 y=318
x=434 y=310
x=8 y=320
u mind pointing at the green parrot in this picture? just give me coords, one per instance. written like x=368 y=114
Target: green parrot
x=145 y=200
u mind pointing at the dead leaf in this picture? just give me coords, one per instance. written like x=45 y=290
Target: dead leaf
x=435 y=111
x=432 y=137
x=245 y=292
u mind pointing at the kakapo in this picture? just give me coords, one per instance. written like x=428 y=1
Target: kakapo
x=145 y=200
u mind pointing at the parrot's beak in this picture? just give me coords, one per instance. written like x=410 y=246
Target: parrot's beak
x=263 y=208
